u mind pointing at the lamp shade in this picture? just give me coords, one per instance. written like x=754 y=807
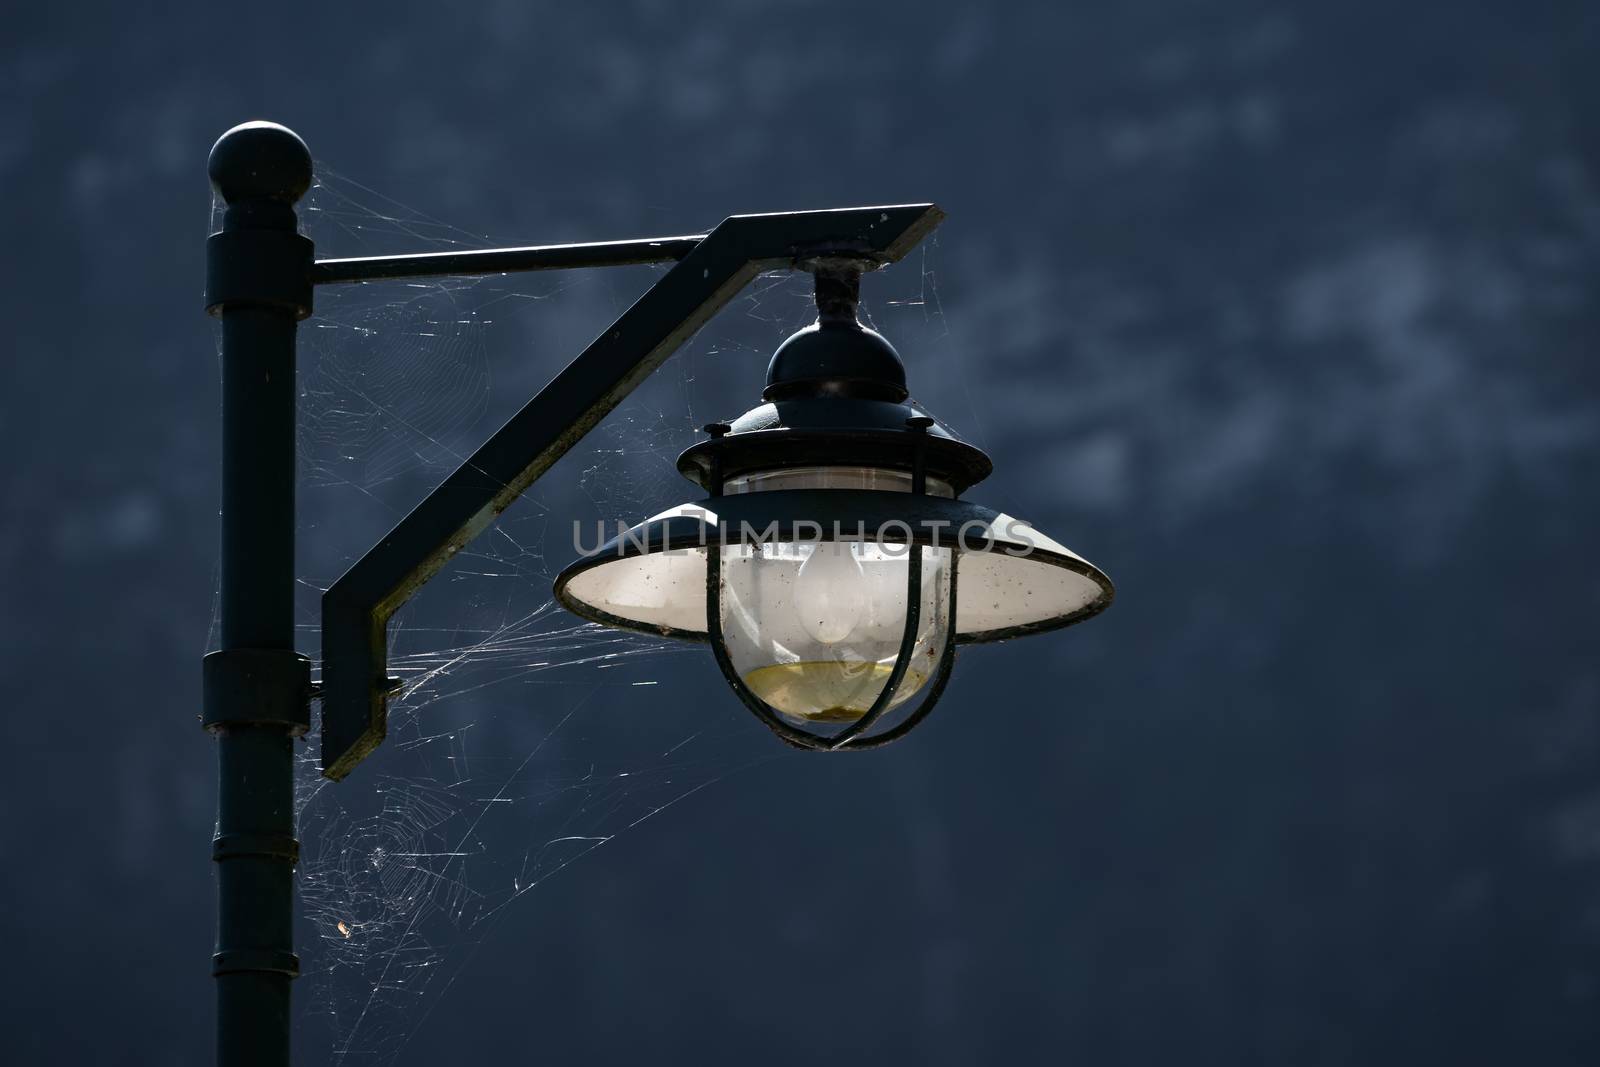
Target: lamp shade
x=1014 y=579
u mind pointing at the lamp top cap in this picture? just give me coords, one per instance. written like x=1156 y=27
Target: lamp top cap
x=836 y=358
x=260 y=161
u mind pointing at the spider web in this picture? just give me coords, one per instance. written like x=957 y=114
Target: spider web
x=523 y=739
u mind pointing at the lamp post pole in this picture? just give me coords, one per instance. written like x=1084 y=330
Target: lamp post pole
x=257 y=688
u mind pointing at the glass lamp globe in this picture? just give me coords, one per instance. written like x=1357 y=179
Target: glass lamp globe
x=815 y=627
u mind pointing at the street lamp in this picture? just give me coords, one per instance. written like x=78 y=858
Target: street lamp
x=832 y=567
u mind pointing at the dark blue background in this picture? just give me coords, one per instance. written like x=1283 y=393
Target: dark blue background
x=1282 y=313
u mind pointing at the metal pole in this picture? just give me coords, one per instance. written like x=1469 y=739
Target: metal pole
x=257 y=688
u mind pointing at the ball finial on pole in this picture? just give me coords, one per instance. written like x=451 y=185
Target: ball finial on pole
x=260 y=161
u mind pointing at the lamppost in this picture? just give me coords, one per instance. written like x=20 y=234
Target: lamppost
x=823 y=566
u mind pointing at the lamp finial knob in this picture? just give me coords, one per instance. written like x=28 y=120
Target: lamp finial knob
x=260 y=161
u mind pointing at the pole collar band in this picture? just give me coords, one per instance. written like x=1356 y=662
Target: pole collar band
x=257 y=687
x=269 y=846
x=259 y=268
x=255 y=961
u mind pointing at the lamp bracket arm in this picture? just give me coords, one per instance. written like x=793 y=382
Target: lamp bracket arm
x=505 y=260
x=355 y=685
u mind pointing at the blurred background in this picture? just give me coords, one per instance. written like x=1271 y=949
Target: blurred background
x=1283 y=314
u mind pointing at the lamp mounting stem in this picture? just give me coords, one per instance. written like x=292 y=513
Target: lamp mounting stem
x=838 y=286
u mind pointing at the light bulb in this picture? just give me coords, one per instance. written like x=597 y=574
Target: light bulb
x=830 y=592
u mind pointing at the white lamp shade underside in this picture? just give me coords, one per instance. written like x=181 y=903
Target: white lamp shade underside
x=1022 y=582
